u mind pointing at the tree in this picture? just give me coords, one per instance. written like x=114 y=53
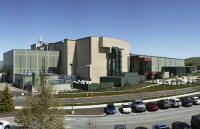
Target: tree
x=41 y=111
x=6 y=101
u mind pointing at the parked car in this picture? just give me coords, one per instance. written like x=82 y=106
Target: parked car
x=196 y=100
x=187 y=102
x=126 y=108
x=164 y=103
x=152 y=106
x=180 y=125
x=138 y=106
x=110 y=109
x=175 y=102
x=120 y=127
x=160 y=126
x=195 y=121
x=4 y=124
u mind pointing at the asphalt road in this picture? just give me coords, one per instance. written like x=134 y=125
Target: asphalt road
x=132 y=120
x=19 y=101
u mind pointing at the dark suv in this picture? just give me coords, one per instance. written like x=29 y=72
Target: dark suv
x=180 y=125
x=195 y=122
x=187 y=102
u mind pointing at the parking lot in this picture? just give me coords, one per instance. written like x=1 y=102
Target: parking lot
x=134 y=120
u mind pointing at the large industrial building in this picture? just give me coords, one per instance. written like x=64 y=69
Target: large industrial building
x=21 y=61
x=87 y=58
x=155 y=66
x=92 y=57
x=103 y=61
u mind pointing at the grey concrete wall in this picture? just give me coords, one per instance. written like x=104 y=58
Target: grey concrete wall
x=159 y=62
x=8 y=65
x=23 y=60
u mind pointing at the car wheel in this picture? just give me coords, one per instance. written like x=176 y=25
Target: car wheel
x=7 y=127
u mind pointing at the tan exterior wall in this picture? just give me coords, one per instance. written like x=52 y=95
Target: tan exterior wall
x=71 y=44
x=87 y=57
x=98 y=61
x=83 y=58
x=124 y=45
x=99 y=47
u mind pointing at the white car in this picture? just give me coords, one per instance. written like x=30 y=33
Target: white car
x=4 y=124
x=175 y=102
x=126 y=108
x=196 y=100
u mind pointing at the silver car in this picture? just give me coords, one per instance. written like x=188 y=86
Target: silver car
x=175 y=102
x=138 y=106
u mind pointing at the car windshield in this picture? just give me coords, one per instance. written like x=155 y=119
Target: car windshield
x=166 y=101
x=126 y=106
x=120 y=127
x=139 y=102
x=111 y=106
x=165 y=128
x=189 y=100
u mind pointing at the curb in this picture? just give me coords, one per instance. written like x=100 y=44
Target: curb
x=86 y=115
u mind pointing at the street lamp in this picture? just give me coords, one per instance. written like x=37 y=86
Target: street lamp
x=164 y=88
x=72 y=103
x=163 y=71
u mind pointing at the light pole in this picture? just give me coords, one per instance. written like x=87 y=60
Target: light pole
x=3 y=77
x=73 y=103
x=164 y=87
x=164 y=81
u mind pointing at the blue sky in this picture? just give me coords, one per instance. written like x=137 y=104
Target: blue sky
x=168 y=28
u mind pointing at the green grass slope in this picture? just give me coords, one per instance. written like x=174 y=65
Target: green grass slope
x=193 y=61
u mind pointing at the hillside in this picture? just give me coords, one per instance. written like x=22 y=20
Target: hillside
x=194 y=61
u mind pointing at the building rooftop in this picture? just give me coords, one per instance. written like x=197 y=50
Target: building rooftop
x=155 y=56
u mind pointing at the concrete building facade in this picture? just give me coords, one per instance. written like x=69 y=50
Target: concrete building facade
x=29 y=61
x=92 y=57
x=159 y=62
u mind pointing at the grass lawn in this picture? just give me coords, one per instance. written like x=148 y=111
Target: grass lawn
x=104 y=93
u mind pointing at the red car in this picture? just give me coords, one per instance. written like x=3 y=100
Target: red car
x=152 y=106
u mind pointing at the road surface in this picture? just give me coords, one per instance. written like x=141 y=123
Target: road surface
x=19 y=101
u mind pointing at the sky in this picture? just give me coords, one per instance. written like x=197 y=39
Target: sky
x=168 y=28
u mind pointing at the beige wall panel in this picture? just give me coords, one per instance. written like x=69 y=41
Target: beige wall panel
x=83 y=58
x=112 y=42
x=98 y=56
x=71 y=56
x=98 y=61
